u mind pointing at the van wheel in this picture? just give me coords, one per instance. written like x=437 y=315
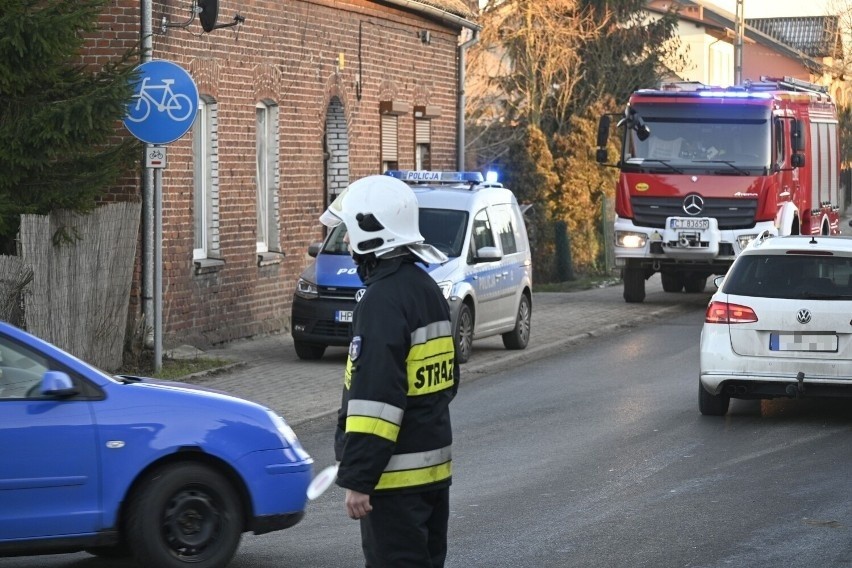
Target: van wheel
x=712 y=404
x=184 y=514
x=463 y=334
x=634 y=284
x=672 y=281
x=309 y=351
x=520 y=336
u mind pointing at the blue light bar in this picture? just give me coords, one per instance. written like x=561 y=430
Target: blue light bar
x=733 y=95
x=436 y=177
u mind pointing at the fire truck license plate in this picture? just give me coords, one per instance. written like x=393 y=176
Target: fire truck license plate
x=687 y=223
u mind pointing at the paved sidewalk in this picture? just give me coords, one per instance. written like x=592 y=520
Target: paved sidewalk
x=266 y=368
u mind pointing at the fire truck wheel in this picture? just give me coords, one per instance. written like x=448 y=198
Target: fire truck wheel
x=634 y=284
x=695 y=284
x=672 y=281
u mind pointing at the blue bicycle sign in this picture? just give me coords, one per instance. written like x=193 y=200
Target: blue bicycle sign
x=176 y=105
x=164 y=105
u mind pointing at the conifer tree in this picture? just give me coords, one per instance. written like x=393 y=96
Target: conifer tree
x=59 y=118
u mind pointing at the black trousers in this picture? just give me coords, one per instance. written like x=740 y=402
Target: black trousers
x=407 y=530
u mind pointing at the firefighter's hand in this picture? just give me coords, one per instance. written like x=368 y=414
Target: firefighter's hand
x=357 y=504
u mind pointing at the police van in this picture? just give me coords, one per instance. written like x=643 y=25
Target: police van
x=487 y=278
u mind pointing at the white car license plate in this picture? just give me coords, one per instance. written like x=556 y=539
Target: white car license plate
x=343 y=316
x=701 y=224
x=803 y=342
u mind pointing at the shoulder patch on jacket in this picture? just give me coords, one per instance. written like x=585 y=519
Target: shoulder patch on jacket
x=355 y=348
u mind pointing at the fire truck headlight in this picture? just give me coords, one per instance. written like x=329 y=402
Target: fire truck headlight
x=629 y=239
x=744 y=240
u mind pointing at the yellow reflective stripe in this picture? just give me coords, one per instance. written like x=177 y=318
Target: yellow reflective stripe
x=375 y=409
x=347 y=374
x=374 y=426
x=415 y=477
x=430 y=366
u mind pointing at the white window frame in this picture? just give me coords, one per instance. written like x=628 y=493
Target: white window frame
x=205 y=159
x=266 y=176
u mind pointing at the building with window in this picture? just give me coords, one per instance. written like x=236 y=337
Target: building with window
x=296 y=99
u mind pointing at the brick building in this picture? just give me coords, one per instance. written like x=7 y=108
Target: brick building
x=295 y=101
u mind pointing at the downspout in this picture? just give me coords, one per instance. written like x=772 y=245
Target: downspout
x=462 y=100
x=147 y=196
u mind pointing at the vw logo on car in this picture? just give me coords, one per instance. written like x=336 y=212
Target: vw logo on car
x=360 y=294
x=803 y=316
x=693 y=204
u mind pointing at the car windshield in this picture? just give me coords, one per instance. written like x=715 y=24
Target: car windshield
x=444 y=229
x=791 y=276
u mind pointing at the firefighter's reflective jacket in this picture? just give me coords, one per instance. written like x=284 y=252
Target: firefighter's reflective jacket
x=393 y=431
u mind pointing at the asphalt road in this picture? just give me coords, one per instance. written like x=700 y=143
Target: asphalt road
x=597 y=456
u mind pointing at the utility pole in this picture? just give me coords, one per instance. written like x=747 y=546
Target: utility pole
x=739 y=24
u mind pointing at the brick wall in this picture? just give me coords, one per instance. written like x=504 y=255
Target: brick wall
x=287 y=52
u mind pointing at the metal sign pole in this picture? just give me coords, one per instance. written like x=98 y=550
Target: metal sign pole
x=158 y=269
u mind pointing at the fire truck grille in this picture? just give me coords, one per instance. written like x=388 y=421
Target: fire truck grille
x=730 y=213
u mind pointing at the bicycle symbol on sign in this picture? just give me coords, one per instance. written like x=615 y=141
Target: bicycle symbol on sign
x=177 y=105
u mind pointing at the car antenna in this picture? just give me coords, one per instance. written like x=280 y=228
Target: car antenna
x=813 y=241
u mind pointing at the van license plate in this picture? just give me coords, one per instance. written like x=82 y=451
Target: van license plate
x=343 y=316
x=701 y=224
x=803 y=342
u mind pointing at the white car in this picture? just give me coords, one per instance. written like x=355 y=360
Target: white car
x=780 y=324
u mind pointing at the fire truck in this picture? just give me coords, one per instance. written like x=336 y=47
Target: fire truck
x=704 y=170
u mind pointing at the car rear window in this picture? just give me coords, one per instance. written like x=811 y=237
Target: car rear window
x=798 y=276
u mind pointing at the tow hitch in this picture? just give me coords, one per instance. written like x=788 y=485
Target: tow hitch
x=797 y=390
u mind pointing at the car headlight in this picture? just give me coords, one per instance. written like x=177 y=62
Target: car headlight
x=287 y=434
x=629 y=239
x=307 y=290
x=446 y=288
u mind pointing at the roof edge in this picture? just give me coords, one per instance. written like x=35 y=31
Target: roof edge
x=435 y=12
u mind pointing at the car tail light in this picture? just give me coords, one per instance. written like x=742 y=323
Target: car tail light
x=723 y=312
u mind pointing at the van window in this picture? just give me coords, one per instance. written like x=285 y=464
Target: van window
x=482 y=234
x=503 y=223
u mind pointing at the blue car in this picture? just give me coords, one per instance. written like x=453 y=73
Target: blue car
x=127 y=466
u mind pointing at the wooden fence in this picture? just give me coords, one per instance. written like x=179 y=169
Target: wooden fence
x=82 y=269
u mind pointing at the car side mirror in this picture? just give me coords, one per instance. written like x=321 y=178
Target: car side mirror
x=487 y=254
x=57 y=383
x=717 y=282
x=313 y=249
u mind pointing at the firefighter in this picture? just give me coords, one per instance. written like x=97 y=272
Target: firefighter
x=394 y=437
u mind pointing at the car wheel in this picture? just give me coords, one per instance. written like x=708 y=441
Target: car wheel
x=695 y=284
x=520 y=336
x=184 y=515
x=309 y=351
x=634 y=284
x=712 y=404
x=463 y=334
x=672 y=281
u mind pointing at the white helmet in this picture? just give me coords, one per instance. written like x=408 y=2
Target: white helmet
x=381 y=214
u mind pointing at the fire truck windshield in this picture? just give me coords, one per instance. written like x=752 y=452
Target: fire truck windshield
x=735 y=138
